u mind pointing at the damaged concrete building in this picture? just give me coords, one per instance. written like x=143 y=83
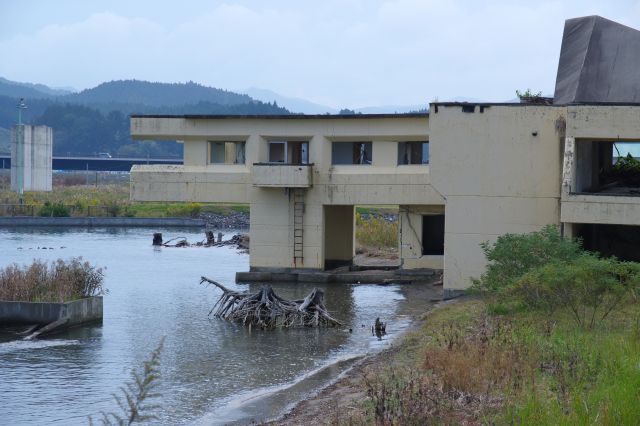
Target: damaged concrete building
x=462 y=174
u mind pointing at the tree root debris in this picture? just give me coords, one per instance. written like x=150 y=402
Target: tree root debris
x=266 y=310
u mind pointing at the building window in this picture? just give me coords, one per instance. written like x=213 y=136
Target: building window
x=351 y=153
x=289 y=152
x=607 y=167
x=226 y=152
x=433 y=234
x=413 y=153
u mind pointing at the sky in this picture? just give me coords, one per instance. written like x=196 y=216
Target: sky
x=340 y=53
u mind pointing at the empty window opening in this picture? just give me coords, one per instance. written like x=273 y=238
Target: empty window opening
x=277 y=152
x=226 y=152
x=413 y=153
x=621 y=241
x=351 y=153
x=433 y=234
x=608 y=168
x=289 y=152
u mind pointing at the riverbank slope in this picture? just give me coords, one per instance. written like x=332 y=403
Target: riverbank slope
x=465 y=365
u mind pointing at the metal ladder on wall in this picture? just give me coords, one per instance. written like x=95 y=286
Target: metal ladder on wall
x=298 y=214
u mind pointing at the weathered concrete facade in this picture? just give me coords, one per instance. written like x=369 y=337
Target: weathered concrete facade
x=31 y=157
x=492 y=169
x=302 y=212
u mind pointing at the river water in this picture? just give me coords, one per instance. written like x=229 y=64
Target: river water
x=213 y=372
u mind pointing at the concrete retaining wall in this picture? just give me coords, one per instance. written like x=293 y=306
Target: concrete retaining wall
x=77 y=312
x=100 y=221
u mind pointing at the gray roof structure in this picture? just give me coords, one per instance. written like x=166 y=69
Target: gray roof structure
x=599 y=62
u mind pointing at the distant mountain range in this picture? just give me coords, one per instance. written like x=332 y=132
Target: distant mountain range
x=96 y=119
x=304 y=106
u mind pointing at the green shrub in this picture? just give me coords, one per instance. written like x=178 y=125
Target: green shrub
x=588 y=286
x=513 y=255
x=542 y=270
x=54 y=210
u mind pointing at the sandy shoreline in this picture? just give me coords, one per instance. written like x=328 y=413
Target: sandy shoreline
x=344 y=396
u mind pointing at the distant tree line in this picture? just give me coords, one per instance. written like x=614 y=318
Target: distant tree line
x=97 y=120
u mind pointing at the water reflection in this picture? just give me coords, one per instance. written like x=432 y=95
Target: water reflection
x=206 y=364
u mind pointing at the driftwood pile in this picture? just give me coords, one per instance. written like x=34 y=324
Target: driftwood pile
x=266 y=310
x=239 y=240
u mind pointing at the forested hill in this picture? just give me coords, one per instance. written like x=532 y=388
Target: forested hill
x=156 y=94
x=97 y=120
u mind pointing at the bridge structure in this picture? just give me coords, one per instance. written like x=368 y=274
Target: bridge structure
x=96 y=163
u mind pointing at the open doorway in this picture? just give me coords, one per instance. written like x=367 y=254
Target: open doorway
x=433 y=234
x=339 y=236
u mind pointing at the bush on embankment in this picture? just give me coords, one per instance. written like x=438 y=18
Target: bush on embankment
x=553 y=339
x=58 y=281
x=543 y=271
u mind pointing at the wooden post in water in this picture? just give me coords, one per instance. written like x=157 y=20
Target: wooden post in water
x=157 y=239
x=219 y=237
x=210 y=238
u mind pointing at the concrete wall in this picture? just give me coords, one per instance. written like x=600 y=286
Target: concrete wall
x=495 y=170
x=282 y=175
x=383 y=182
x=410 y=239
x=32 y=158
x=589 y=126
x=499 y=171
x=77 y=311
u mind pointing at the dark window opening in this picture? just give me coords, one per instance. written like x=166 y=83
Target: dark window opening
x=289 y=152
x=351 y=153
x=433 y=234
x=621 y=241
x=413 y=153
x=226 y=152
x=607 y=168
x=468 y=108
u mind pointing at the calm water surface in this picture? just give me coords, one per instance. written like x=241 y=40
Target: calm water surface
x=212 y=372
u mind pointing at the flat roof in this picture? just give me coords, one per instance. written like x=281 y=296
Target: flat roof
x=285 y=116
x=526 y=104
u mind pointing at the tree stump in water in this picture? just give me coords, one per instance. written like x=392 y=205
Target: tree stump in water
x=265 y=309
x=157 y=239
x=210 y=238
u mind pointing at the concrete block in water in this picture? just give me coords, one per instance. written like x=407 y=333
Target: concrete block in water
x=67 y=314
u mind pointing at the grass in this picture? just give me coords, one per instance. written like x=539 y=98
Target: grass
x=376 y=233
x=466 y=365
x=111 y=200
x=58 y=281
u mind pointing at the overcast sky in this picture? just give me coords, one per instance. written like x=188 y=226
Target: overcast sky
x=341 y=53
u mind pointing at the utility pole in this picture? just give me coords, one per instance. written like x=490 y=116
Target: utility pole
x=20 y=150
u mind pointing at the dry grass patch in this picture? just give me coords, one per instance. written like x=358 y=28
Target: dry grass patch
x=58 y=281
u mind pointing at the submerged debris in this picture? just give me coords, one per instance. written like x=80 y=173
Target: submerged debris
x=241 y=241
x=266 y=310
